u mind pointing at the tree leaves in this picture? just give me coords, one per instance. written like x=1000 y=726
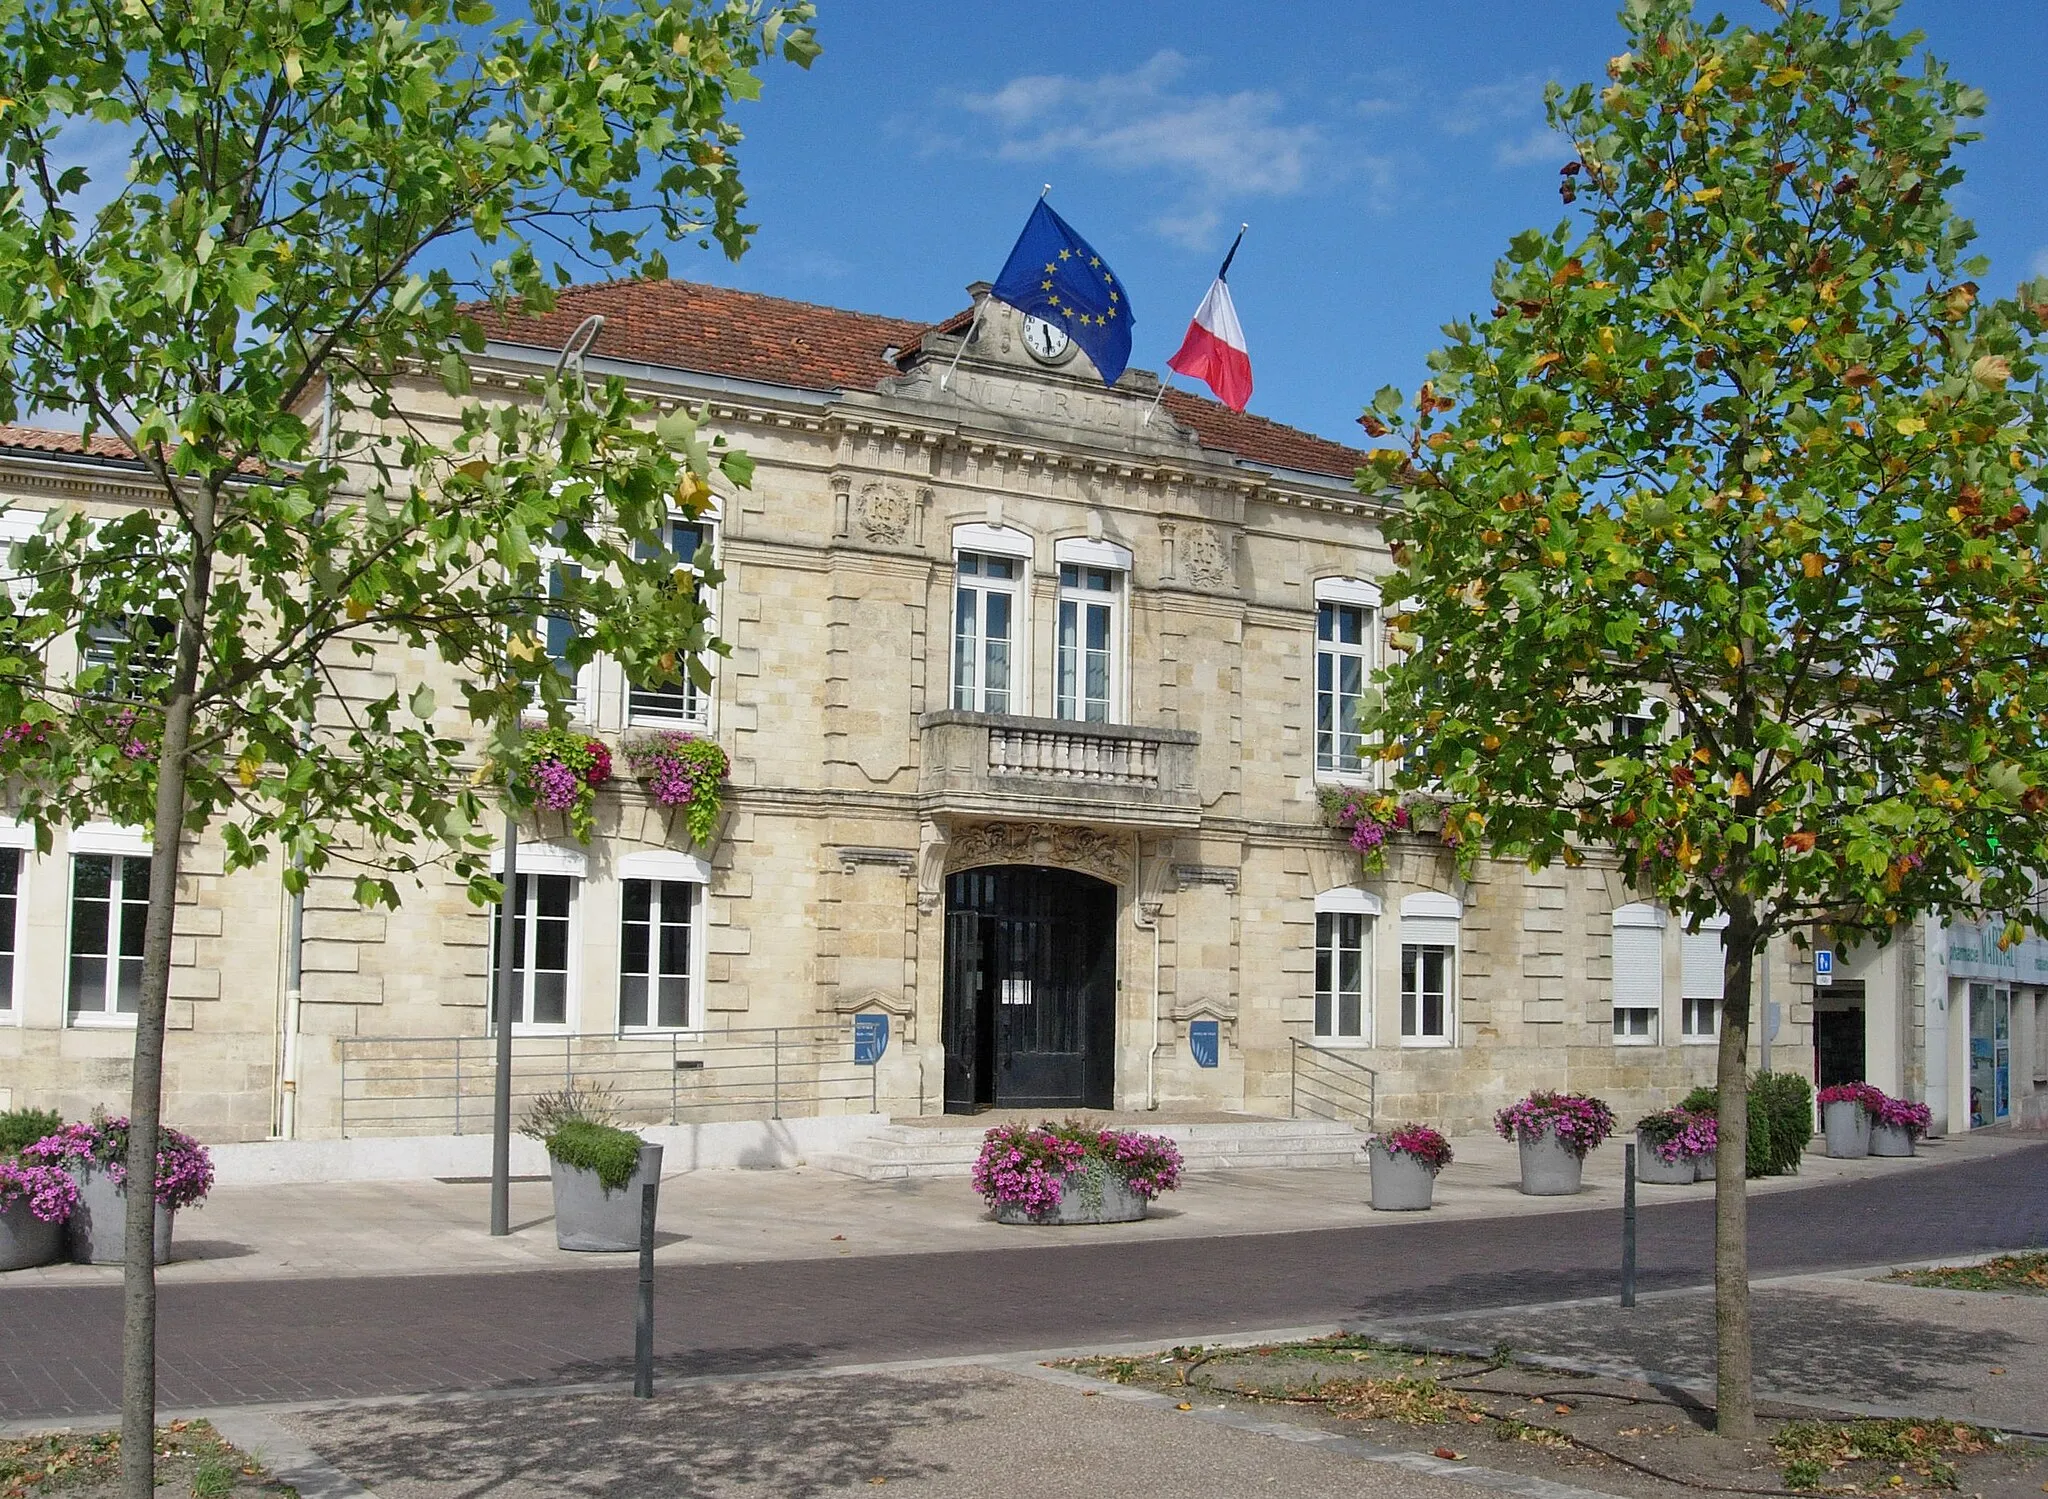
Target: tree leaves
x=1778 y=465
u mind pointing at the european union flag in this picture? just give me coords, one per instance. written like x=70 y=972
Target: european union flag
x=1056 y=275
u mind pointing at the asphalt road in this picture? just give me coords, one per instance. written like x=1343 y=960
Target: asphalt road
x=228 y=1343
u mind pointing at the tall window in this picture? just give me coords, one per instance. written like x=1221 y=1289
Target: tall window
x=681 y=702
x=1638 y=974
x=109 y=910
x=985 y=616
x=656 y=924
x=1700 y=983
x=1340 y=975
x=1429 y=969
x=1343 y=645
x=541 y=915
x=1426 y=991
x=10 y=911
x=127 y=652
x=558 y=631
x=1085 y=682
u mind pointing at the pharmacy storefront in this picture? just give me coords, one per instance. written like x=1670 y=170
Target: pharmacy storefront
x=1997 y=1028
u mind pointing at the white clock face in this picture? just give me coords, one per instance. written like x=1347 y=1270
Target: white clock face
x=1046 y=342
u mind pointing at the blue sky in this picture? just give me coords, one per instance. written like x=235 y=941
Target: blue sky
x=1383 y=154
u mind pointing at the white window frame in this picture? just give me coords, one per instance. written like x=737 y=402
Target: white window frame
x=1692 y=993
x=582 y=702
x=1084 y=554
x=668 y=867
x=100 y=841
x=19 y=839
x=1351 y=593
x=699 y=706
x=982 y=587
x=1334 y=905
x=539 y=859
x=1431 y=920
x=17 y=526
x=1638 y=916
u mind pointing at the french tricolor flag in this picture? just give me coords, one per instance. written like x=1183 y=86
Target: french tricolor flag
x=1214 y=350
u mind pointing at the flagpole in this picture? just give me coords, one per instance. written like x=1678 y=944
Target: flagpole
x=974 y=327
x=1167 y=378
x=1164 y=380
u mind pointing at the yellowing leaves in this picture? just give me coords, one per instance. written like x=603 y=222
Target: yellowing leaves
x=248 y=768
x=1909 y=426
x=358 y=610
x=1812 y=564
x=1785 y=77
x=1543 y=362
x=1740 y=785
x=1992 y=370
x=1704 y=195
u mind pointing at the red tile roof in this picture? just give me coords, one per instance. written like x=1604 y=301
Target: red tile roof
x=714 y=330
x=48 y=440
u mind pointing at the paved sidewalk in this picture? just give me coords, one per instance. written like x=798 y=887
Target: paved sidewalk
x=739 y=1217
x=964 y=1431
x=1853 y=1341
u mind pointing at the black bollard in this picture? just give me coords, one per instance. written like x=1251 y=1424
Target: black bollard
x=1628 y=1225
x=643 y=1317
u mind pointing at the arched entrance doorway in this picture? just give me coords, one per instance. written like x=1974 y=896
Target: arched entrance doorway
x=1030 y=994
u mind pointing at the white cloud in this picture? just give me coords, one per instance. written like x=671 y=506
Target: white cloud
x=1215 y=149
x=1539 y=145
x=1490 y=106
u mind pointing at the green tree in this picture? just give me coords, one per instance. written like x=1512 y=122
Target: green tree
x=305 y=185
x=1739 y=449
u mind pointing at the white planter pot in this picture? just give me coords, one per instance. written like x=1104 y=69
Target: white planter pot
x=1847 y=1126
x=97 y=1230
x=591 y=1218
x=1890 y=1139
x=1654 y=1169
x=1703 y=1168
x=25 y=1240
x=1400 y=1183
x=1119 y=1204
x=1549 y=1167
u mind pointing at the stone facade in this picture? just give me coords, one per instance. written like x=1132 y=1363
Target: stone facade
x=860 y=783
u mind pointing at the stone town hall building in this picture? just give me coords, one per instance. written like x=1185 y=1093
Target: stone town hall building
x=1030 y=701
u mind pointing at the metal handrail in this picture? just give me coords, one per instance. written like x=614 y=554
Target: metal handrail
x=443 y=1084
x=1324 y=1083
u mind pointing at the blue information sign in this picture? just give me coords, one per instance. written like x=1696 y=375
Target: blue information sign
x=870 y=1038
x=1203 y=1041
x=1823 y=965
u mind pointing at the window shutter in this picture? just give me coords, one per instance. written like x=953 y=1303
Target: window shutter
x=1638 y=967
x=1702 y=964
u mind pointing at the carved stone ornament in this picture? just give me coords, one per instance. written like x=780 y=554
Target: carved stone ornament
x=1203 y=556
x=1085 y=849
x=883 y=513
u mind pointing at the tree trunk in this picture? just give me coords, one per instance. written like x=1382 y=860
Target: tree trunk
x=1734 y=1397
x=145 y=1103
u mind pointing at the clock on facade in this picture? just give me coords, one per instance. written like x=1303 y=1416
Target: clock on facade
x=1047 y=342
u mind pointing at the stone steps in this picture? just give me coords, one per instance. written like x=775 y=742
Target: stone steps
x=901 y=1151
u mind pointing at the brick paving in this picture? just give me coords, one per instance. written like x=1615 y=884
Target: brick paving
x=235 y=1343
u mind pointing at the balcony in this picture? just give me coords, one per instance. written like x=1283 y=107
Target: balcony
x=1056 y=770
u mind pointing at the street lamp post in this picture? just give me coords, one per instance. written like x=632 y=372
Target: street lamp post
x=506 y=996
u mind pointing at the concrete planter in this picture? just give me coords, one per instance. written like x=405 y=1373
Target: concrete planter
x=1847 y=1126
x=1400 y=1183
x=1703 y=1169
x=590 y=1218
x=1119 y=1204
x=1890 y=1139
x=1654 y=1169
x=1549 y=1167
x=25 y=1240
x=97 y=1230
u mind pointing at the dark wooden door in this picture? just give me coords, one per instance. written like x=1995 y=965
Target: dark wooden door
x=1030 y=990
